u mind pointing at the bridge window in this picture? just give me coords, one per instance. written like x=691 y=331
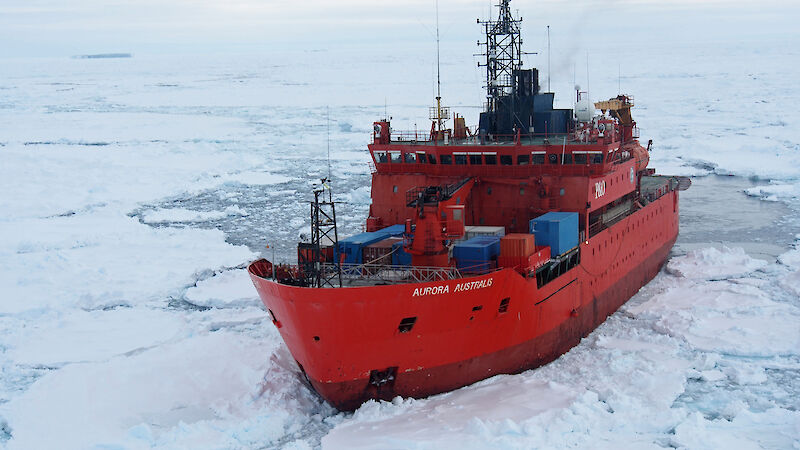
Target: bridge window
x=431 y=159
x=537 y=158
x=380 y=157
x=567 y=159
x=474 y=160
x=523 y=160
x=506 y=160
x=395 y=157
x=421 y=158
x=446 y=159
x=411 y=158
x=490 y=159
x=460 y=159
x=597 y=159
x=580 y=158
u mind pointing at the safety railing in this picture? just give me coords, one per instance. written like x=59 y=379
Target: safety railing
x=390 y=274
x=411 y=136
x=473 y=138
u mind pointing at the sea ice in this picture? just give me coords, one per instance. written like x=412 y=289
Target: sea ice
x=185 y=215
x=228 y=289
x=117 y=334
x=712 y=263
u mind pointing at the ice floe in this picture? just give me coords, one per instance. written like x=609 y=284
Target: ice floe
x=228 y=289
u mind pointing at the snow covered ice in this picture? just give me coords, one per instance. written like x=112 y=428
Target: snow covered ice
x=135 y=190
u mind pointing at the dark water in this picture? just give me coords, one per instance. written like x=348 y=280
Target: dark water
x=716 y=211
x=276 y=214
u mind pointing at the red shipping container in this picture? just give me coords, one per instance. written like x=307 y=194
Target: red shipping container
x=305 y=253
x=519 y=245
x=511 y=261
x=526 y=264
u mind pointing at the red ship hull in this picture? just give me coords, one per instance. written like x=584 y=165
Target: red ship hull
x=342 y=337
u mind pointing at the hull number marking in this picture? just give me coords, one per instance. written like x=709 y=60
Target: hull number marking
x=599 y=189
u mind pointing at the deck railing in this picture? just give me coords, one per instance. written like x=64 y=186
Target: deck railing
x=390 y=274
x=473 y=138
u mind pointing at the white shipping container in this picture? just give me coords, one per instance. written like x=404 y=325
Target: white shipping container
x=472 y=231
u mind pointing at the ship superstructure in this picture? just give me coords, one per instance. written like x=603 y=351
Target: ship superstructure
x=487 y=250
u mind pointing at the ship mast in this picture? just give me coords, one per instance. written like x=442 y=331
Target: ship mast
x=438 y=114
x=438 y=76
x=503 y=55
x=323 y=228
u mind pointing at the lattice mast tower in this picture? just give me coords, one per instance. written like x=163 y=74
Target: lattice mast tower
x=503 y=53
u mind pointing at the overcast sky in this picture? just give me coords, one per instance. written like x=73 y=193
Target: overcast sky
x=68 y=27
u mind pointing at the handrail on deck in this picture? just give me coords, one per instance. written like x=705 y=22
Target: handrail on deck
x=379 y=273
x=425 y=137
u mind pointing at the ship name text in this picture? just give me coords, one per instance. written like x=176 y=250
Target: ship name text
x=445 y=289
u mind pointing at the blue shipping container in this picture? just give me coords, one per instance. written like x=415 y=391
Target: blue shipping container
x=558 y=230
x=394 y=230
x=399 y=255
x=352 y=246
x=476 y=253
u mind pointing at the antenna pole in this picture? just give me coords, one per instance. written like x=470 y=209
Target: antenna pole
x=548 y=59
x=328 y=129
x=587 y=74
x=438 y=76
